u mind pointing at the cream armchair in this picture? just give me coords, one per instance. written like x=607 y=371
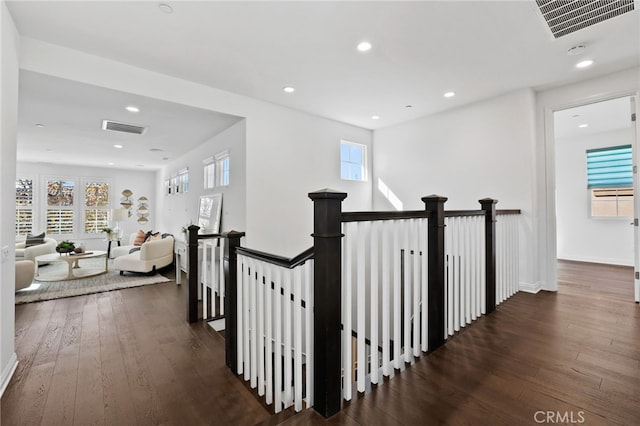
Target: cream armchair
x=152 y=256
x=25 y=271
x=30 y=253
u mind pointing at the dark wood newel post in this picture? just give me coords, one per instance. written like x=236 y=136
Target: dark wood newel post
x=192 y=268
x=327 y=299
x=231 y=298
x=489 y=207
x=434 y=204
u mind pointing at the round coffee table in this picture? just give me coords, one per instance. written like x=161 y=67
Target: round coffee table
x=74 y=269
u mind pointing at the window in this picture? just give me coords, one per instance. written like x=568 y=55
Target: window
x=353 y=161
x=183 y=180
x=222 y=167
x=59 y=214
x=209 y=175
x=610 y=181
x=96 y=203
x=24 y=206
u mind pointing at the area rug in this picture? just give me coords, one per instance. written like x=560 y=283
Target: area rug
x=112 y=280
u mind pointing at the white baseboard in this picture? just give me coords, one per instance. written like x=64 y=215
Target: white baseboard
x=603 y=260
x=7 y=373
x=531 y=287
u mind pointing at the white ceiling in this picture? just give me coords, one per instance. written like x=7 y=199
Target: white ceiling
x=479 y=49
x=600 y=117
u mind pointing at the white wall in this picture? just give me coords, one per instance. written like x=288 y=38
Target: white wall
x=623 y=83
x=580 y=236
x=289 y=153
x=8 y=137
x=141 y=183
x=466 y=154
x=181 y=209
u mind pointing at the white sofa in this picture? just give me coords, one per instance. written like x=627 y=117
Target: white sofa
x=124 y=249
x=152 y=256
x=30 y=253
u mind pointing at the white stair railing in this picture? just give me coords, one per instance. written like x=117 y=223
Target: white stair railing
x=275 y=331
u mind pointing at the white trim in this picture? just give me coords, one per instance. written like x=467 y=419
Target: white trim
x=530 y=287
x=602 y=260
x=7 y=373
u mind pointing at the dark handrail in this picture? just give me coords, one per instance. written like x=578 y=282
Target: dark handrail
x=512 y=211
x=389 y=215
x=460 y=213
x=277 y=260
x=206 y=236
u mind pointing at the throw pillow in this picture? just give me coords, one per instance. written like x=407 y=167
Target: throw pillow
x=154 y=237
x=34 y=240
x=140 y=237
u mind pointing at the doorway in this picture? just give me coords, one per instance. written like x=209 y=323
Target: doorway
x=594 y=148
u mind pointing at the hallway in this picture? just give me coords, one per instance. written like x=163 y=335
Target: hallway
x=129 y=357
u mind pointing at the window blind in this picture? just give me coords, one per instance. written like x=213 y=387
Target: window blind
x=610 y=167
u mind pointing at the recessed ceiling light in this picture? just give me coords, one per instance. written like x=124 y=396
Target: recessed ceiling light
x=449 y=94
x=584 y=64
x=576 y=50
x=408 y=106
x=165 y=8
x=364 y=46
x=155 y=150
x=165 y=158
x=110 y=163
x=575 y=115
x=132 y=108
x=375 y=117
x=139 y=165
x=118 y=146
x=582 y=126
x=288 y=89
x=39 y=125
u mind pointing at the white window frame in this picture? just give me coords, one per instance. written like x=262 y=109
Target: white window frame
x=362 y=165
x=29 y=209
x=61 y=210
x=208 y=171
x=223 y=168
x=84 y=208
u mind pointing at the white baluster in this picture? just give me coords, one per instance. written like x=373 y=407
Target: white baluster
x=288 y=318
x=254 y=325
x=347 y=356
x=386 y=275
x=260 y=319
x=415 y=259
x=374 y=285
x=362 y=228
x=242 y=275
x=397 y=301
x=297 y=336
x=222 y=289
x=424 y=280
x=278 y=340
x=309 y=330
x=408 y=283
x=269 y=334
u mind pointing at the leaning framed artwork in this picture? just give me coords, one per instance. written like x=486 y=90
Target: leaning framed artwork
x=209 y=213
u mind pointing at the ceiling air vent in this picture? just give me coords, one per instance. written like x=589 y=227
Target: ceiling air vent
x=122 y=127
x=567 y=16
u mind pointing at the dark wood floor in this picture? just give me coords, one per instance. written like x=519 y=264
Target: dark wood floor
x=124 y=357
x=128 y=357
x=576 y=352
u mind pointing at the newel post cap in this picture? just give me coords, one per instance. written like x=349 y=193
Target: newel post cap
x=327 y=193
x=434 y=198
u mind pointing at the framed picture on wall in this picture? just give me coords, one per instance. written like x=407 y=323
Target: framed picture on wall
x=209 y=213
